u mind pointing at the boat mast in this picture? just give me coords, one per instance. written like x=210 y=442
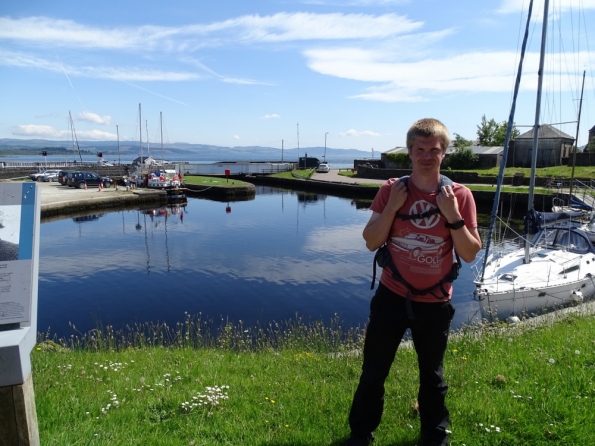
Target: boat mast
x=161 y=127
x=578 y=123
x=147 y=129
x=509 y=127
x=536 y=126
x=74 y=139
x=140 y=137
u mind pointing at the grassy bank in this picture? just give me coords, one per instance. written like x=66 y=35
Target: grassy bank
x=213 y=181
x=292 y=384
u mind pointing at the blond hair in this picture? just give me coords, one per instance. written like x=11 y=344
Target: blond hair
x=428 y=127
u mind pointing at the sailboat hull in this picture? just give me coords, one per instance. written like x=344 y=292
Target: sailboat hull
x=554 y=278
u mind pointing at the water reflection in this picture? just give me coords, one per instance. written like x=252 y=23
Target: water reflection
x=278 y=255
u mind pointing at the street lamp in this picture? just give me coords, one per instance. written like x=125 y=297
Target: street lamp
x=325 y=146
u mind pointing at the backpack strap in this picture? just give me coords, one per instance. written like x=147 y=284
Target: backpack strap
x=444 y=181
x=383 y=259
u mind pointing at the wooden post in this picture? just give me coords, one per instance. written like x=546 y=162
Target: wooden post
x=18 y=417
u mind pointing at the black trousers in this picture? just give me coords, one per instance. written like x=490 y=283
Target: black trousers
x=429 y=329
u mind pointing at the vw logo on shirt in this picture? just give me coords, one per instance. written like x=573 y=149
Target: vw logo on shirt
x=420 y=207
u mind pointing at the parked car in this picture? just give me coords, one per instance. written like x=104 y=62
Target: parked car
x=63 y=176
x=49 y=176
x=80 y=179
x=323 y=168
x=35 y=175
x=71 y=176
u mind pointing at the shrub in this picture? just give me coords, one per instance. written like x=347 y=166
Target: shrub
x=462 y=158
x=400 y=159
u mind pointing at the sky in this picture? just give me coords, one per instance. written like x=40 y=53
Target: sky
x=272 y=73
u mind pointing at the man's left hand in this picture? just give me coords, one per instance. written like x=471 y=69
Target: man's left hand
x=448 y=205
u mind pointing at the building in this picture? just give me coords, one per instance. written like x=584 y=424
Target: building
x=553 y=149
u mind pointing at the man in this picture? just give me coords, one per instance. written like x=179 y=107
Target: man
x=416 y=296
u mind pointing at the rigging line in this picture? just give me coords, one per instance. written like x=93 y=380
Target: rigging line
x=518 y=42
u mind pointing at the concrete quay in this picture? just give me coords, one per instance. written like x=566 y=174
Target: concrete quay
x=58 y=200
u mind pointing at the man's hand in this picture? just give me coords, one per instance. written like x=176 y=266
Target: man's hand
x=448 y=205
x=397 y=197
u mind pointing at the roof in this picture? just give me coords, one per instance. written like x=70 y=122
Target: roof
x=546 y=131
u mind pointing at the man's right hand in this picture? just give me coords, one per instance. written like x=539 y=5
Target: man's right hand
x=397 y=197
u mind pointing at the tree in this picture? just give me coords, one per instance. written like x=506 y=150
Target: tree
x=490 y=133
x=462 y=158
x=460 y=142
x=590 y=147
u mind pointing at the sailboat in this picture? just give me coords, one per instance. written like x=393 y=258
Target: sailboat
x=162 y=177
x=555 y=266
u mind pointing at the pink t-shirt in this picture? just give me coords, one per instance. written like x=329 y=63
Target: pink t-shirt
x=421 y=249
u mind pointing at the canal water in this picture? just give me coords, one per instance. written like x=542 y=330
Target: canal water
x=282 y=255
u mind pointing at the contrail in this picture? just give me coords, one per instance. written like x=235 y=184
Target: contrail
x=71 y=86
x=152 y=92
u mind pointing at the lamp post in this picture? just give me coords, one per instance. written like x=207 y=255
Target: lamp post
x=325 y=146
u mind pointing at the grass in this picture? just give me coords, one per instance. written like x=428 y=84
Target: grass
x=220 y=181
x=295 y=174
x=292 y=384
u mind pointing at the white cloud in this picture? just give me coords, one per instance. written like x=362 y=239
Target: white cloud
x=46 y=131
x=399 y=80
x=231 y=80
x=41 y=131
x=283 y=27
x=94 y=118
x=96 y=135
x=356 y=134
x=280 y=27
x=236 y=137
x=121 y=74
x=273 y=116
x=48 y=31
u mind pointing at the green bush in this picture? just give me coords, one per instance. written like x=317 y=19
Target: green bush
x=462 y=158
x=400 y=159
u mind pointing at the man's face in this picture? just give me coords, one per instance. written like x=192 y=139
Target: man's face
x=426 y=154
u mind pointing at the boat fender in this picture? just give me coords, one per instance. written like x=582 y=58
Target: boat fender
x=576 y=296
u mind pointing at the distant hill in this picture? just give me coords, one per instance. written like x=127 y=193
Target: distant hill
x=204 y=151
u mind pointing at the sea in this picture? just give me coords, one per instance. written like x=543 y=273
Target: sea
x=334 y=162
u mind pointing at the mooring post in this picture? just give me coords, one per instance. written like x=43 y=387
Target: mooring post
x=20 y=205
x=18 y=416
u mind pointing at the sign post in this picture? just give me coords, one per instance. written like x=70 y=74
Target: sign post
x=19 y=269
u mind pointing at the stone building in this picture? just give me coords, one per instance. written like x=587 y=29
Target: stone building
x=553 y=148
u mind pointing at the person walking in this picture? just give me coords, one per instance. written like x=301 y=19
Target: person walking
x=419 y=222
